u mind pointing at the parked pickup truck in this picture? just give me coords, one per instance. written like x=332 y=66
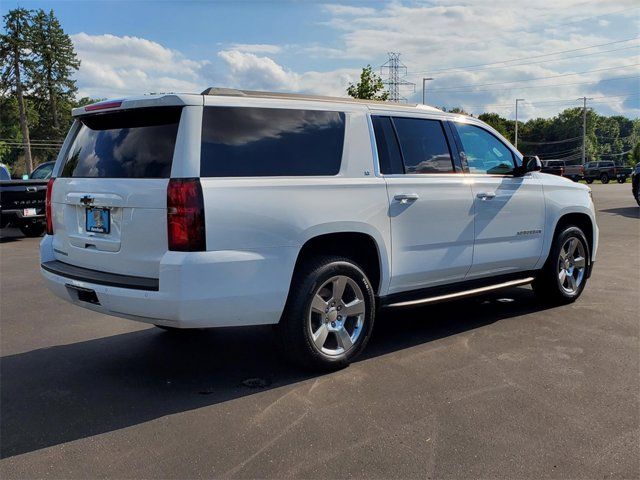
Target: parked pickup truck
x=559 y=167
x=605 y=171
x=22 y=202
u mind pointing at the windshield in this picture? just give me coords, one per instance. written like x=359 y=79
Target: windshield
x=135 y=143
x=43 y=172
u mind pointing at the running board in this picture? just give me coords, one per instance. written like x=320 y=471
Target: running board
x=462 y=294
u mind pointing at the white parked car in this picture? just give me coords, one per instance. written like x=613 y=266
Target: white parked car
x=243 y=208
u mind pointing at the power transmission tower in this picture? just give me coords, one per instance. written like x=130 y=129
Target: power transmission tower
x=395 y=72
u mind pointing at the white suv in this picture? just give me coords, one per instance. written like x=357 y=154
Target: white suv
x=243 y=208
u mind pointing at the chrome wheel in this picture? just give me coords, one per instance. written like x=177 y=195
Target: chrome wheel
x=336 y=315
x=572 y=265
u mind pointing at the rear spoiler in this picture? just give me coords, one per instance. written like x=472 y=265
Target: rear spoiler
x=168 y=100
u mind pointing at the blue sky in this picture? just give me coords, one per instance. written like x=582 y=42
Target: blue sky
x=141 y=46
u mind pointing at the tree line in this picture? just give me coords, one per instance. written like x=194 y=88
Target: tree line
x=613 y=138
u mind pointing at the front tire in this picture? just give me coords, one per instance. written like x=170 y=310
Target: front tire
x=622 y=180
x=564 y=275
x=589 y=180
x=604 y=178
x=329 y=315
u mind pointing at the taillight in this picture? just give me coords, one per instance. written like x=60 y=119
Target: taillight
x=581 y=170
x=48 y=214
x=561 y=170
x=185 y=215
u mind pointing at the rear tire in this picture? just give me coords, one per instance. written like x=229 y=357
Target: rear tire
x=604 y=178
x=329 y=315
x=564 y=275
x=32 y=229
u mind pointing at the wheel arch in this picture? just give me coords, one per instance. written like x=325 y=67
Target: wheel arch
x=361 y=243
x=580 y=219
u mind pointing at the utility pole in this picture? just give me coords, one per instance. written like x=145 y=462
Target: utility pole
x=424 y=89
x=516 y=135
x=584 y=129
x=395 y=71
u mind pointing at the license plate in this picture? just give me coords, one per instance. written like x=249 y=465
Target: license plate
x=28 y=212
x=98 y=220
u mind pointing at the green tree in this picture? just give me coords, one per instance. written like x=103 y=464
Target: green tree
x=55 y=63
x=370 y=86
x=502 y=125
x=17 y=64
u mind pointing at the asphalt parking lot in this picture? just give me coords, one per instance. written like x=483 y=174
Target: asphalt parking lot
x=484 y=388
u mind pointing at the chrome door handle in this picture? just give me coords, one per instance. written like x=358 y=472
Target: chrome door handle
x=486 y=195
x=406 y=197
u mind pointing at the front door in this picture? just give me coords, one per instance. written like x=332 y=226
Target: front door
x=509 y=210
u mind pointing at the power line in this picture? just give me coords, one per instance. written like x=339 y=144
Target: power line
x=458 y=87
x=550 y=102
x=552 y=142
x=466 y=67
x=615 y=154
x=549 y=85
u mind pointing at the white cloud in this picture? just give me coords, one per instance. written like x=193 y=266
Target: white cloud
x=256 y=47
x=115 y=66
x=247 y=70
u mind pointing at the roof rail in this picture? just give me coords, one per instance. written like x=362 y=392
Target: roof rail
x=232 y=92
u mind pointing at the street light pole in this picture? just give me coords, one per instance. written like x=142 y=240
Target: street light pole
x=424 y=89
x=516 y=135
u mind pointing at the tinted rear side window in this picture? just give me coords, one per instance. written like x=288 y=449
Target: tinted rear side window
x=135 y=143
x=245 y=142
x=424 y=145
x=387 y=146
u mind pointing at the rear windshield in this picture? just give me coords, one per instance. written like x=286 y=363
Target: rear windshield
x=243 y=142
x=555 y=164
x=126 y=144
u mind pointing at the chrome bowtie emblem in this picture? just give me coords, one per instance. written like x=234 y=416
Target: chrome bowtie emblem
x=86 y=200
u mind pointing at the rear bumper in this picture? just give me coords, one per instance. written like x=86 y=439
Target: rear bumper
x=19 y=215
x=194 y=289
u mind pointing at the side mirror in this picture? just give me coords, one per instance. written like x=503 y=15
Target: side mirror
x=530 y=163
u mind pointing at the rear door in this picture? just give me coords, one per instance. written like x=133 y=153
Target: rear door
x=430 y=204
x=109 y=197
x=509 y=210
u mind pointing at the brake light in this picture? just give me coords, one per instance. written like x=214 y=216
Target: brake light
x=561 y=170
x=185 y=215
x=615 y=170
x=103 y=105
x=581 y=169
x=47 y=205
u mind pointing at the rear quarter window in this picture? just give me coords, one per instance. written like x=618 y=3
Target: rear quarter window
x=245 y=141
x=136 y=143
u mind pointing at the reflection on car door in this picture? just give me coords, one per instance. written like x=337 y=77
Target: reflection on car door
x=509 y=210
